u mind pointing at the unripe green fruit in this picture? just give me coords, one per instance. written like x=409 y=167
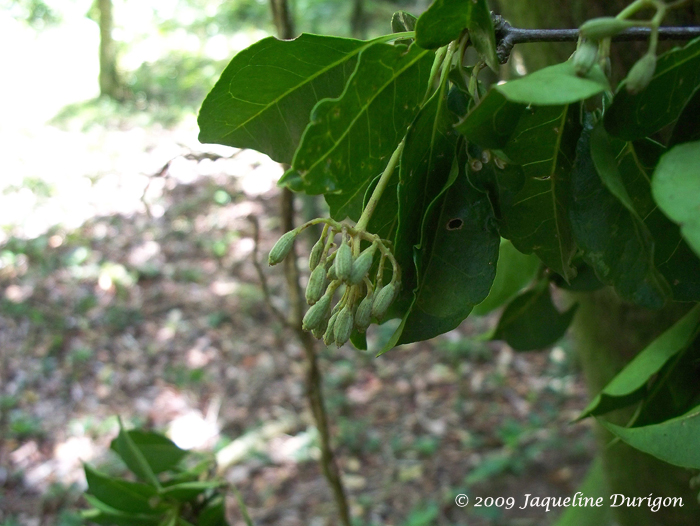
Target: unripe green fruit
x=362 y=264
x=641 y=74
x=363 y=314
x=329 y=335
x=343 y=262
x=316 y=286
x=315 y=315
x=585 y=58
x=382 y=300
x=343 y=325
x=603 y=27
x=282 y=248
x=316 y=253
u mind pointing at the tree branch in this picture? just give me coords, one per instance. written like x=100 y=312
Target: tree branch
x=507 y=36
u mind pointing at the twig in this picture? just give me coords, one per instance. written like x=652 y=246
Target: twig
x=507 y=36
x=261 y=275
x=314 y=390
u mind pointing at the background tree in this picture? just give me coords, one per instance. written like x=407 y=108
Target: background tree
x=111 y=84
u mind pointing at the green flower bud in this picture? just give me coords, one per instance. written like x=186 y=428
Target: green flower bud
x=603 y=27
x=343 y=262
x=282 y=248
x=315 y=315
x=316 y=253
x=329 y=335
x=362 y=264
x=316 y=286
x=343 y=325
x=331 y=275
x=383 y=299
x=585 y=57
x=363 y=314
x=641 y=74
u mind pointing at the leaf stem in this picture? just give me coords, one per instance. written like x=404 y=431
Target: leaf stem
x=379 y=189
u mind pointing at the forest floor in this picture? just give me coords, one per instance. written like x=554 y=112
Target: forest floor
x=127 y=287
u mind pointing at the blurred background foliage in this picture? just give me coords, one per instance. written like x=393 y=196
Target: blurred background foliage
x=169 y=53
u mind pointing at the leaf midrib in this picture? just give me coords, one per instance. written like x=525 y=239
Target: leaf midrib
x=363 y=108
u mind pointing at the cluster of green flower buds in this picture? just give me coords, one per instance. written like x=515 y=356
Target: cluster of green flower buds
x=349 y=269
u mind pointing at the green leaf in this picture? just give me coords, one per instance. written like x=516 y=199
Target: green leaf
x=402 y=21
x=104 y=514
x=675 y=80
x=350 y=139
x=515 y=271
x=135 y=460
x=629 y=385
x=555 y=86
x=676 y=189
x=121 y=494
x=687 y=127
x=214 y=514
x=265 y=95
x=614 y=239
x=456 y=261
x=676 y=441
x=491 y=122
x=187 y=491
x=585 y=280
x=445 y=20
x=531 y=321
x=673 y=258
x=160 y=453
x=424 y=171
x=533 y=209
x=595 y=485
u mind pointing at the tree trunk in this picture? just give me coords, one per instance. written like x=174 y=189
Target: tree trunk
x=608 y=332
x=110 y=83
x=358 y=19
x=282 y=17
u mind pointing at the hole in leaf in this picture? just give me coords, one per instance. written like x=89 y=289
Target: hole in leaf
x=455 y=224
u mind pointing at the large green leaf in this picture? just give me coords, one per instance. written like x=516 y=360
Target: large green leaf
x=555 y=86
x=687 y=127
x=531 y=322
x=446 y=19
x=265 y=95
x=533 y=213
x=160 y=453
x=676 y=189
x=676 y=77
x=634 y=163
x=121 y=494
x=426 y=162
x=629 y=385
x=514 y=272
x=676 y=441
x=133 y=457
x=614 y=239
x=456 y=261
x=491 y=122
x=350 y=139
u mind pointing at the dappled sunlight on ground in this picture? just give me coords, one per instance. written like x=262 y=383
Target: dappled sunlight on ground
x=127 y=288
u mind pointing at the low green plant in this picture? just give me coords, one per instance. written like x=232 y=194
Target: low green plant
x=172 y=487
